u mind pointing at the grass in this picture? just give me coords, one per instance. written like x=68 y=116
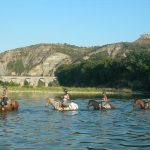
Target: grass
x=70 y=89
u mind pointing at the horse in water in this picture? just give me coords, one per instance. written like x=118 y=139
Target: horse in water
x=11 y=105
x=142 y=104
x=99 y=106
x=58 y=105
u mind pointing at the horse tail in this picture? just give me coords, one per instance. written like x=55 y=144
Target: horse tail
x=48 y=102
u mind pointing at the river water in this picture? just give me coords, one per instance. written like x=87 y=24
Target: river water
x=34 y=127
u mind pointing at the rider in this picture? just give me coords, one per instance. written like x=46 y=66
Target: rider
x=104 y=100
x=4 y=97
x=65 y=99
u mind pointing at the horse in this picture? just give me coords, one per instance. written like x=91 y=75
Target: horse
x=141 y=103
x=99 y=106
x=12 y=104
x=58 y=105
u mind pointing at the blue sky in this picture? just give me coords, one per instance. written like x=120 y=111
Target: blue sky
x=77 y=22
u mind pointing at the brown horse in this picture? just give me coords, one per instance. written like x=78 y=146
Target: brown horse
x=142 y=104
x=99 y=106
x=11 y=105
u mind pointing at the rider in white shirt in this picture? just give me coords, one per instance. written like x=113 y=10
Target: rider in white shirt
x=65 y=99
x=104 y=100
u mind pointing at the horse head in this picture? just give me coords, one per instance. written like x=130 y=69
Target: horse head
x=48 y=102
x=15 y=104
x=139 y=102
x=90 y=103
x=54 y=103
x=94 y=104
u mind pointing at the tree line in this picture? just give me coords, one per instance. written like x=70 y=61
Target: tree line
x=129 y=71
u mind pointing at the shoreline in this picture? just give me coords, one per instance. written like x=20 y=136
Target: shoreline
x=71 y=90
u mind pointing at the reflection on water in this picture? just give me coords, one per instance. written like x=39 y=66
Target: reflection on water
x=35 y=127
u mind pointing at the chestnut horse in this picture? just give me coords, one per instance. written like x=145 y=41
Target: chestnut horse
x=11 y=105
x=142 y=104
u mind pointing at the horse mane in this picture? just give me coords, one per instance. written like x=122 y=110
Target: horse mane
x=137 y=100
x=92 y=101
x=54 y=103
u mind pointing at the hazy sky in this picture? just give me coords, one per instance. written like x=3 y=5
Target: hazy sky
x=78 y=22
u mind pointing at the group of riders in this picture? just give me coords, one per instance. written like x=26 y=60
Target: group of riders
x=64 y=102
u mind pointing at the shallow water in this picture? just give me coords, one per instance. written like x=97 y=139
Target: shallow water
x=35 y=127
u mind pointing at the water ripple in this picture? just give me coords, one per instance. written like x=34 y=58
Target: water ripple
x=35 y=127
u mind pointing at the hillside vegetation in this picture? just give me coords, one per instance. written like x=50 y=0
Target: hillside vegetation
x=128 y=67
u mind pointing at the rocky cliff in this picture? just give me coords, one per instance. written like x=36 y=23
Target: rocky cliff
x=144 y=39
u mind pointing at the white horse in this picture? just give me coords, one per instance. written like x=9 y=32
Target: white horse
x=58 y=106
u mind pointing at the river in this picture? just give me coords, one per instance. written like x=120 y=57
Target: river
x=35 y=127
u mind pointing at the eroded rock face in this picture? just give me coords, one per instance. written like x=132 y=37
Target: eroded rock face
x=49 y=65
x=144 y=39
x=112 y=50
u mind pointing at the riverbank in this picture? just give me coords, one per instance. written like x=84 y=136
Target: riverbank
x=60 y=89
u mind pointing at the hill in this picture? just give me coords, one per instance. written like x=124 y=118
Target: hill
x=39 y=60
x=44 y=59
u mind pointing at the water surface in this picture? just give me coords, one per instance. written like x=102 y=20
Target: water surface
x=35 y=127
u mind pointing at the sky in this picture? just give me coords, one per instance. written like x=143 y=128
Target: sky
x=76 y=22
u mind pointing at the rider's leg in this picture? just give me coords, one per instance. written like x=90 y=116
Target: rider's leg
x=65 y=104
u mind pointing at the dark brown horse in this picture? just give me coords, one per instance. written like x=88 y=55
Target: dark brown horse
x=94 y=104
x=11 y=105
x=142 y=104
x=99 y=106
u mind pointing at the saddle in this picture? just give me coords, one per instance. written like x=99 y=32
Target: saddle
x=65 y=105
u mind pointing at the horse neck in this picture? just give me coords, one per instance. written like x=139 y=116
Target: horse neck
x=14 y=104
x=141 y=104
x=54 y=103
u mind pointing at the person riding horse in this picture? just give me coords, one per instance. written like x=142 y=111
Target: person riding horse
x=4 y=97
x=104 y=101
x=57 y=105
x=65 y=99
x=103 y=104
x=7 y=104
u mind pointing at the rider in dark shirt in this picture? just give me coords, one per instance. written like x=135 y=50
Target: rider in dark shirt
x=4 y=97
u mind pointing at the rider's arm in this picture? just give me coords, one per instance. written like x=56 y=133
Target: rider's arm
x=68 y=96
